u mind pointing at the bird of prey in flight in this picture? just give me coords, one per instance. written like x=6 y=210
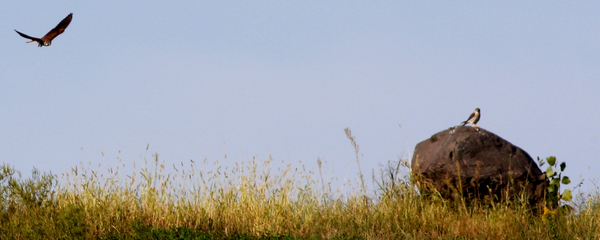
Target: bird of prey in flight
x=473 y=118
x=47 y=40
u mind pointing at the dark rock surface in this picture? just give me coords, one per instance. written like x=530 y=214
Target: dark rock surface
x=475 y=164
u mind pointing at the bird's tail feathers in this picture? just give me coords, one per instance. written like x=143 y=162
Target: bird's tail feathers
x=464 y=123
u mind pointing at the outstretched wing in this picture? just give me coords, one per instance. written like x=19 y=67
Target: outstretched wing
x=60 y=28
x=40 y=41
x=26 y=36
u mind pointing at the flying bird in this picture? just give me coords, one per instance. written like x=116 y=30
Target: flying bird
x=473 y=118
x=47 y=40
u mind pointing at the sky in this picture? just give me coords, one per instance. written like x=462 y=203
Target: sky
x=237 y=80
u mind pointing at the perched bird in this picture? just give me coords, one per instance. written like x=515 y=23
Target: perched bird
x=473 y=118
x=47 y=40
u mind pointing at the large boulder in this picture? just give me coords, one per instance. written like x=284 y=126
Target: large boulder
x=476 y=164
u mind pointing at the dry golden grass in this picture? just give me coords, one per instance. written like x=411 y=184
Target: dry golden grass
x=253 y=200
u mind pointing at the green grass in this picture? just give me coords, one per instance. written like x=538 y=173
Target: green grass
x=254 y=201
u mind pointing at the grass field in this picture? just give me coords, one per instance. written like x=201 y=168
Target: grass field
x=255 y=200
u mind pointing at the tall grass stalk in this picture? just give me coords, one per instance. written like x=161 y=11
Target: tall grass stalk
x=356 y=150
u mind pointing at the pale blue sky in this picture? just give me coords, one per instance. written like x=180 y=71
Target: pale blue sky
x=203 y=79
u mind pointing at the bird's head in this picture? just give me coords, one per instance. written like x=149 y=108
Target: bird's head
x=476 y=109
x=47 y=43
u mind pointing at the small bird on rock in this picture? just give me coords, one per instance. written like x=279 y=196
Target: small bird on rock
x=473 y=118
